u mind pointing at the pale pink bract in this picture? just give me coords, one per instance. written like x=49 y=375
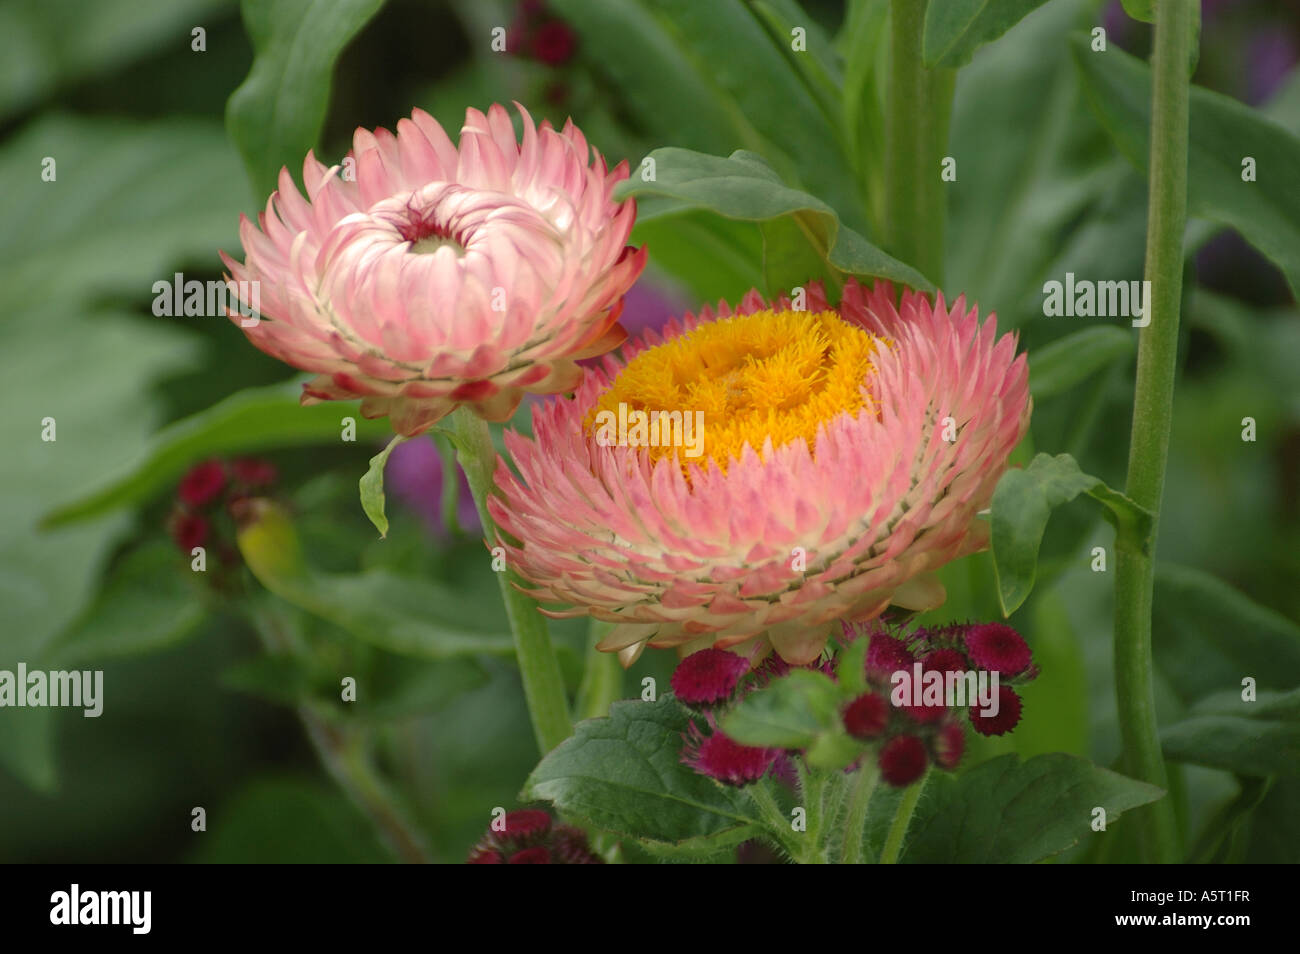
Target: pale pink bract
x=689 y=562
x=439 y=275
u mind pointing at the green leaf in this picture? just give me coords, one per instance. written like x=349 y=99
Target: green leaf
x=1207 y=635
x=955 y=29
x=147 y=213
x=743 y=186
x=1005 y=811
x=46 y=45
x=413 y=617
x=717 y=259
x=256 y=419
x=1022 y=503
x=146 y=605
x=372 y=487
x=276 y=114
x=624 y=774
x=685 y=84
x=788 y=713
x=1144 y=10
x=863 y=41
x=1249 y=738
x=1222 y=133
x=1057 y=367
x=1012 y=208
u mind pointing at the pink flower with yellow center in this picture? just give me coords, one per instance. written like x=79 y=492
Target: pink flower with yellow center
x=845 y=454
x=421 y=275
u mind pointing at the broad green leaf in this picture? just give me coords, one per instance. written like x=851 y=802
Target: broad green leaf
x=743 y=186
x=1207 y=636
x=863 y=42
x=1059 y=366
x=1223 y=133
x=673 y=93
x=148 y=209
x=277 y=113
x=685 y=85
x=101 y=415
x=717 y=259
x=146 y=605
x=1144 y=10
x=1249 y=738
x=1022 y=503
x=1019 y=196
x=624 y=774
x=372 y=487
x=788 y=713
x=1005 y=811
x=48 y=44
x=413 y=617
x=257 y=419
x=955 y=29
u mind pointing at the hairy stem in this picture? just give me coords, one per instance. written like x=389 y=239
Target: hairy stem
x=902 y=818
x=864 y=783
x=1152 y=416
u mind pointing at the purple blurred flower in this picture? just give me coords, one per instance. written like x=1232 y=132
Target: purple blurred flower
x=1272 y=56
x=414 y=475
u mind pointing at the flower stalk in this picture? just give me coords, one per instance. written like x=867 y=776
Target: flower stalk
x=538 y=666
x=1152 y=416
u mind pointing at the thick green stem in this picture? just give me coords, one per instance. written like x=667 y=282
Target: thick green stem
x=538 y=667
x=902 y=818
x=1152 y=415
x=864 y=783
x=917 y=110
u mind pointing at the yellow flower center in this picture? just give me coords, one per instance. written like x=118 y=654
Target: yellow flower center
x=777 y=375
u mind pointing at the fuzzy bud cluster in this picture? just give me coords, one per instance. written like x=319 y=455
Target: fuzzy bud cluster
x=912 y=734
x=530 y=837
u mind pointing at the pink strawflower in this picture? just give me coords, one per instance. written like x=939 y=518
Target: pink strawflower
x=531 y=856
x=823 y=435
x=998 y=648
x=708 y=677
x=421 y=275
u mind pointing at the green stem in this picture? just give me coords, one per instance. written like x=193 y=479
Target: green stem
x=917 y=110
x=602 y=679
x=1152 y=416
x=538 y=667
x=902 y=818
x=864 y=783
